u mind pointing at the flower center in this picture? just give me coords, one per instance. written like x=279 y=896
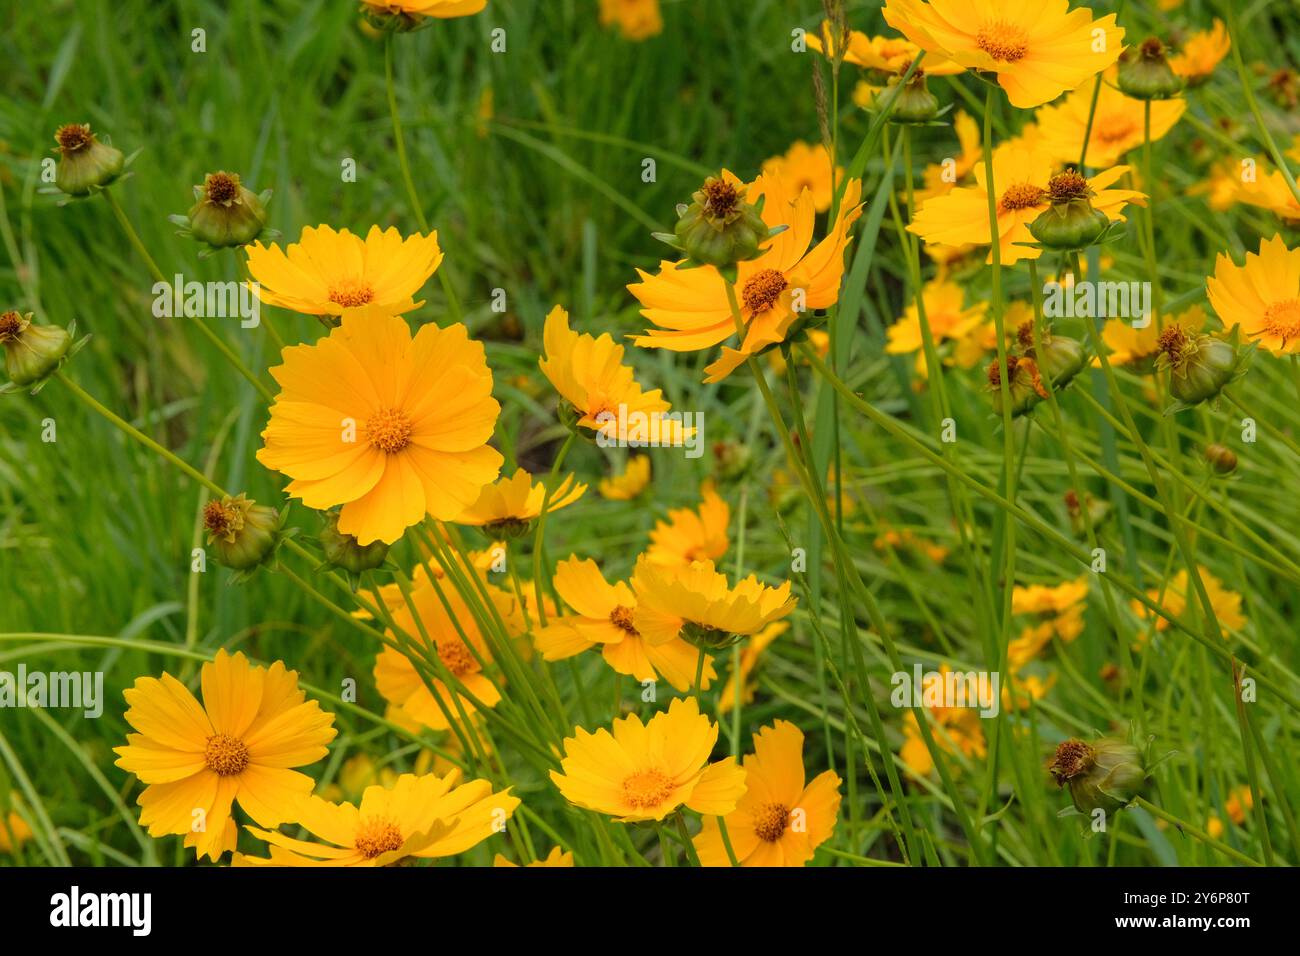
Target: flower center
x=11 y=323
x=770 y=821
x=74 y=137
x=1003 y=41
x=721 y=197
x=1021 y=196
x=389 y=430
x=1115 y=129
x=221 y=188
x=1283 y=318
x=378 y=835
x=1067 y=185
x=762 y=289
x=647 y=788
x=1173 y=342
x=351 y=293
x=456 y=656
x=621 y=618
x=222 y=519
x=226 y=755
x=1073 y=758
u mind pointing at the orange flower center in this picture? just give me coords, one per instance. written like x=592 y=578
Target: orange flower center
x=389 y=430
x=73 y=137
x=1283 y=318
x=770 y=821
x=11 y=323
x=221 y=188
x=378 y=835
x=647 y=788
x=762 y=289
x=456 y=656
x=1115 y=129
x=1021 y=196
x=222 y=519
x=621 y=618
x=225 y=755
x=350 y=293
x=1003 y=41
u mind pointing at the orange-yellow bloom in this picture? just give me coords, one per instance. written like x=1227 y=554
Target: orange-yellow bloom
x=508 y=506
x=630 y=483
x=695 y=602
x=689 y=535
x=806 y=167
x=1117 y=126
x=1262 y=296
x=635 y=19
x=886 y=54
x=1201 y=53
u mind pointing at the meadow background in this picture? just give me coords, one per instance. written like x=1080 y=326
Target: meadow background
x=530 y=166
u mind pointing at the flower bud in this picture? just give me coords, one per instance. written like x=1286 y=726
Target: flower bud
x=1070 y=222
x=1221 y=458
x=1145 y=74
x=1200 y=366
x=32 y=352
x=719 y=228
x=243 y=533
x=1060 y=358
x=913 y=104
x=1024 y=384
x=1106 y=774
x=84 y=162
x=226 y=213
x=343 y=552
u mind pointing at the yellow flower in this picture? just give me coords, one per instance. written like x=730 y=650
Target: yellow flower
x=1038 y=51
x=557 y=857
x=603 y=617
x=1045 y=599
x=441 y=9
x=1226 y=604
x=1272 y=193
x=635 y=19
x=335 y=274
x=806 y=167
x=749 y=655
x=887 y=54
x=1201 y=53
x=401 y=684
x=1262 y=296
x=787 y=281
x=630 y=483
x=779 y=821
x=954 y=729
x=14 y=831
x=1021 y=691
x=690 y=535
x=391 y=428
x=1117 y=125
x=864 y=94
x=508 y=506
x=238 y=745
x=646 y=771
x=426 y=817
x=1020 y=177
x=1240 y=799
x=941 y=177
x=945 y=312
x=1127 y=345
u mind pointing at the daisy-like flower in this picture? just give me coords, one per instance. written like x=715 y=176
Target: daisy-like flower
x=1271 y=192
x=779 y=821
x=597 y=388
x=956 y=730
x=239 y=745
x=941 y=177
x=1226 y=603
x=689 y=535
x=397 y=679
x=1127 y=345
x=557 y=857
x=635 y=19
x=645 y=771
x=1262 y=296
x=749 y=656
x=603 y=617
x=886 y=54
x=1201 y=53
x=695 y=602
x=391 y=428
x=946 y=313
x=788 y=280
x=1038 y=51
x=806 y=167
x=507 y=507
x=630 y=483
x=1117 y=125
x=424 y=817
x=1020 y=177
x=333 y=274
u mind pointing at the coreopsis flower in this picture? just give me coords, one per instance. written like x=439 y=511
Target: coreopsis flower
x=403 y=15
x=1117 y=126
x=1021 y=177
x=783 y=817
x=908 y=540
x=557 y=857
x=1226 y=603
x=239 y=745
x=1201 y=53
x=1059 y=612
x=945 y=312
x=749 y=657
x=1022 y=690
x=806 y=167
x=1271 y=192
x=1049 y=599
x=425 y=817
x=243 y=533
x=1221 y=185
x=225 y=212
x=1037 y=52
x=645 y=771
x=436 y=628
x=1138 y=348
x=885 y=54
x=941 y=177
x=629 y=484
x=695 y=602
x=1200 y=367
x=508 y=506
x=597 y=389
x=690 y=535
x=391 y=427
x=14 y=830
x=635 y=19
x=604 y=617
x=1106 y=774
x=332 y=274
x=32 y=353
x=956 y=730
x=789 y=279
x=85 y=164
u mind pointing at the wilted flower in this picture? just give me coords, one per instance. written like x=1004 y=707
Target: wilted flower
x=85 y=163
x=1104 y=775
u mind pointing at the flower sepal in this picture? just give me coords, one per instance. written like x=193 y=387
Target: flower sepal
x=33 y=353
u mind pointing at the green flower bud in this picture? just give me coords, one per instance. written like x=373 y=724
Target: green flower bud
x=1106 y=774
x=84 y=162
x=1145 y=74
x=1199 y=367
x=243 y=533
x=343 y=552
x=708 y=639
x=1060 y=359
x=32 y=352
x=1024 y=384
x=226 y=213
x=507 y=528
x=914 y=103
x=719 y=228
x=1221 y=459
x=1070 y=222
